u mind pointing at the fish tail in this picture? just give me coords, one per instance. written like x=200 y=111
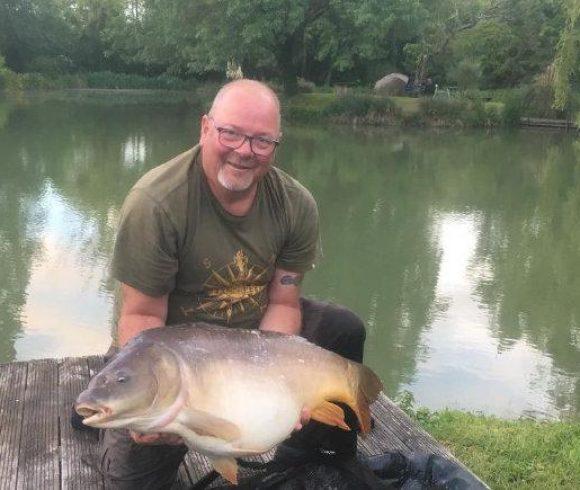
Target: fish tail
x=366 y=388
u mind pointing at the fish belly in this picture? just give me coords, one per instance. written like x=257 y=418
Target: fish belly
x=265 y=411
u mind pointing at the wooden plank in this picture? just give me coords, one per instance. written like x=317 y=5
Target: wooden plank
x=414 y=438
x=35 y=406
x=383 y=438
x=95 y=364
x=13 y=386
x=77 y=446
x=39 y=456
x=183 y=480
x=197 y=465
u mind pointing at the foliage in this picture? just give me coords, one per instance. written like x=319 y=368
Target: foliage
x=514 y=43
x=514 y=108
x=9 y=81
x=361 y=106
x=566 y=60
x=487 y=43
x=467 y=74
x=534 y=101
x=443 y=108
x=130 y=81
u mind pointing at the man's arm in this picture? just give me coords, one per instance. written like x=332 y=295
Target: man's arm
x=283 y=312
x=139 y=312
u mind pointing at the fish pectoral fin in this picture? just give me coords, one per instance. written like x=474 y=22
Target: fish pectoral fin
x=330 y=414
x=206 y=424
x=227 y=467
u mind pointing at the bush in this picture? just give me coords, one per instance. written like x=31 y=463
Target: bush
x=533 y=101
x=467 y=74
x=362 y=106
x=38 y=81
x=110 y=80
x=464 y=112
x=50 y=65
x=513 y=109
x=10 y=82
x=443 y=108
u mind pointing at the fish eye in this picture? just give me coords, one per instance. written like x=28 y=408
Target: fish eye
x=122 y=378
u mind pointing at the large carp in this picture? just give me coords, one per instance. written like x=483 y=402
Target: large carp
x=226 y=392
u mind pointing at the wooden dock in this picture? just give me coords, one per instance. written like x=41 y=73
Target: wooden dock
x=536 y=122
x=39 y=448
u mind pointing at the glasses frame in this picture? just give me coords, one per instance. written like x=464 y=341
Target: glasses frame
x=221 y=129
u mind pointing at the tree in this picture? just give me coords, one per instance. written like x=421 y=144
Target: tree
x=514 y=43
x=567 y=55
x=30 y=29
x=280 y=39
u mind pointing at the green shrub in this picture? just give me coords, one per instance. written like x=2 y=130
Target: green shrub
x=38 y=81
x=467 y=74
x=10 y=82
x=513 y=109
x=50 y=65
x=412 y=119
x=362 y=106
x=533 y=101
x=448 y=109
x=110 y=80
x=302 y=114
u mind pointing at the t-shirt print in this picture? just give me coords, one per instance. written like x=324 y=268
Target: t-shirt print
x=234 y=288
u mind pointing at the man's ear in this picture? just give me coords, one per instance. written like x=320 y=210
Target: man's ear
x=204 y=127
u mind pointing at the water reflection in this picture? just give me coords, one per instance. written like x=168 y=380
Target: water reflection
x=134 y=150
x=505 y=380
x=66 y=309
x=460 y=250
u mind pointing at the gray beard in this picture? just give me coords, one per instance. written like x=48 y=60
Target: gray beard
x=233 y=184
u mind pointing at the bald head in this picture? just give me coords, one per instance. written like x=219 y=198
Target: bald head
x=258 y=91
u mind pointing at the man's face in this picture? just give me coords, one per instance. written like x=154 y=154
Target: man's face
x=248 y=113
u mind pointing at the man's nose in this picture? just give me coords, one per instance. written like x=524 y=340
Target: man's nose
x=246 y=149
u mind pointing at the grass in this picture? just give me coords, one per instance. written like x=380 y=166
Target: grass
x=409 y=105
x=509 y=454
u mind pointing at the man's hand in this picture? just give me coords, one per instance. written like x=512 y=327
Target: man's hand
x=156 y=439
x=304 y=419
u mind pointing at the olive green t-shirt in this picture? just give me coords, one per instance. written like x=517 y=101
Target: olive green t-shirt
x=175 y=237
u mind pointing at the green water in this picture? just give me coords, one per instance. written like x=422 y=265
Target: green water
x=460 y=250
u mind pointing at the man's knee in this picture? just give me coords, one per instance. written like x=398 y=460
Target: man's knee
x=347 y=323
x=126 y=465
x=334 y=327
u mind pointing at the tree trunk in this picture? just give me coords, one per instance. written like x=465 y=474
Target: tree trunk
x=288 y=63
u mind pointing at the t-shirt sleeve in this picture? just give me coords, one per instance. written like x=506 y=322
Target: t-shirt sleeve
x=301 y=248
x=145 y=254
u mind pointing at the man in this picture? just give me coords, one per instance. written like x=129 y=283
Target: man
x=218 y=234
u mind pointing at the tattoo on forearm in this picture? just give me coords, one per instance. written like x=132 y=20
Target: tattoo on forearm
x=289 y=280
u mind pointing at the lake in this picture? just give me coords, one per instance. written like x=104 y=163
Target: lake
x=459 y=249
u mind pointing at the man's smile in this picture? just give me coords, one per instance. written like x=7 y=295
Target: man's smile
x=239 y=166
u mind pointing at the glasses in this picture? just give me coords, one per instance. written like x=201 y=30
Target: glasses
x=259 y=145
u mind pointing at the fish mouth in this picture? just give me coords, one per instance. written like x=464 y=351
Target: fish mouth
x=93 y=415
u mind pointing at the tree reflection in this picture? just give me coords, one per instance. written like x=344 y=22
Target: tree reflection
x=532 y=244
x=88 y=153
x=379 y=257
x=20 y=187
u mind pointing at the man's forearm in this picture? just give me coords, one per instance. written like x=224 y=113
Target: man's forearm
x=282 y=318
x=131 y=325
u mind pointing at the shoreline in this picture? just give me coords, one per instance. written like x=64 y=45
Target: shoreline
x=360 y=109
